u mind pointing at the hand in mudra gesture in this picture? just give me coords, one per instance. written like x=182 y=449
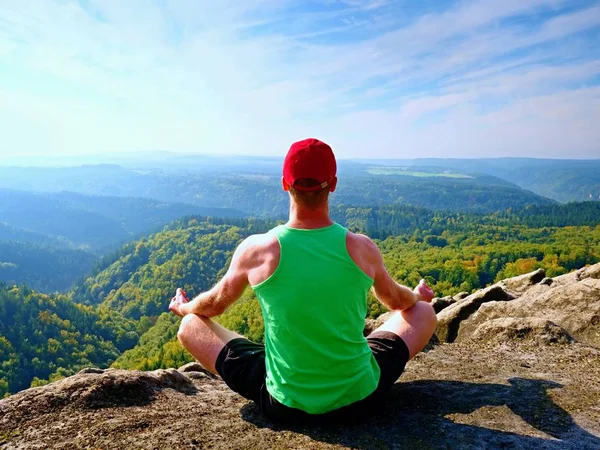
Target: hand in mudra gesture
x=176 y=302
x=424 y=292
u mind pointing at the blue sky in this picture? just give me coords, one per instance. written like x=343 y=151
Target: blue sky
x=374 y=78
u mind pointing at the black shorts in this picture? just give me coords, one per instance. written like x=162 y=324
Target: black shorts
x=241 y=364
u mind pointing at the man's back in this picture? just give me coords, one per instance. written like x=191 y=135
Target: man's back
x=314 y=305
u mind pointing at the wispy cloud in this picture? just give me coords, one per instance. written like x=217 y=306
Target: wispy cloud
x=470 y=78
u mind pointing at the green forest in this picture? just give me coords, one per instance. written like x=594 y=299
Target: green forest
x=117 y=314
x=46 y=337
x=46 y=268
x=94 y=223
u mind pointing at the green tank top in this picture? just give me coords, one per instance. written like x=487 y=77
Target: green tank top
x=314 y=306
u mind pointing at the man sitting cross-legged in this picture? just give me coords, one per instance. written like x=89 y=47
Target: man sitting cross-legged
x=311 y=277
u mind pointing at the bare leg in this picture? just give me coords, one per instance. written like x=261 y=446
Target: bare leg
x=415 y=326
x=204 y=339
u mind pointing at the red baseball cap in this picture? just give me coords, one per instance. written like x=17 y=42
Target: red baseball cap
x=312 y=159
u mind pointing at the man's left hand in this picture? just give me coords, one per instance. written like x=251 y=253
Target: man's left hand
x=177 y=302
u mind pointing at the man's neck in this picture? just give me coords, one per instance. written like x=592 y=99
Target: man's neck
x=306 y=218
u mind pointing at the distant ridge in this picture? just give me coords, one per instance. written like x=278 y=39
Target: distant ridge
x=256 y=190
x=563 y=180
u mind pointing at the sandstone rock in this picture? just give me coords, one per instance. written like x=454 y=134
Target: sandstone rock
x=536 y=291
x=547 y=281
x=518 y=285
x=195 y=370
x=573 y=306
x=449 y=319
x=590 y=272
x=198 y=375
x=464 y=396
x=567 y=279
x=581 y=274
x=508 y=329
x=499 y=385
x=193 y=366
x=92 y=390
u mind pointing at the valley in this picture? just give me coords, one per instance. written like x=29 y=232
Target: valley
x=90 y=256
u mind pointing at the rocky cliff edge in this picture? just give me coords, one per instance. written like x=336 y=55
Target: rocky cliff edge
x=515 y=365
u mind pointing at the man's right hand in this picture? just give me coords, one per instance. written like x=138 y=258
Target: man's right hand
x=177 y=301
x=423 y=292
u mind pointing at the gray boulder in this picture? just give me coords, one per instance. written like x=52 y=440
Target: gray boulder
x=578 y=275
x=93 y=390
x=520 y=284
x=509 y=329
x=449 y=319
x=195 y=370
x=574 y=306
x=591 y=272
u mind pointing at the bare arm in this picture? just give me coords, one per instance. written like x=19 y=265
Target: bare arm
x=393 y=295
x=226 y=292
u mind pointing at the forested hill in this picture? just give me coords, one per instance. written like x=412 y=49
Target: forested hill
x=453 y=252
x=47 y=336
x=73 y=220
x=383 y=221
x=559 y=179
x=570 y=214
x=42 y=267
x=190 y=253
x=260 y=194
x=49 y=240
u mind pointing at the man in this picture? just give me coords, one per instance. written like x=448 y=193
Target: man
x=311 y=277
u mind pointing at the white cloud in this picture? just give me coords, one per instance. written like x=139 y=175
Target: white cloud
x=218 y=76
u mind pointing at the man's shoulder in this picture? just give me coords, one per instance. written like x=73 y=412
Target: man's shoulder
x=361 y=241
x=362 y=248
x=256 y=250
x=259 y=242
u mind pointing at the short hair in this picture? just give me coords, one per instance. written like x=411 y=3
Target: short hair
x=309 y=199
